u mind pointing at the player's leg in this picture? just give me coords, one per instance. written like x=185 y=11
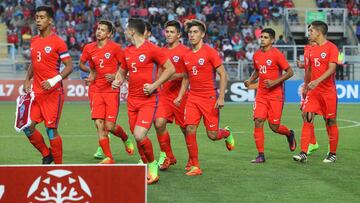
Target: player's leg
x=104 y=141
x=99 y=154
x=260 y=113
x=165 y=145
x=313 y=145
x=330 y=101
x=274 y=118
x=51 y=108
x=143 y=123
x=112 y=102
x=98 y=114
x=37 y=140
x=192 y=119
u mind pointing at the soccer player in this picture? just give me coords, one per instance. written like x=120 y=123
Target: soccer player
x=321 y=96
x=139 y=61
x=269 y=63
x=171 y=100
x=313 y=145
x=202 y=63
x=46 y=50
x=106 y=56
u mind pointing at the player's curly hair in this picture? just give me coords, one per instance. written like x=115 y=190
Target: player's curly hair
x=195 y=22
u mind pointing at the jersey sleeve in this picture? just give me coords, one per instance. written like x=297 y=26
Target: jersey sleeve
x=254 y=62
x=63 y=50
x=215 y=59
x=119 y=55
x=85 y=55
x=281 y=61
x=333 y=54
x=158 y=55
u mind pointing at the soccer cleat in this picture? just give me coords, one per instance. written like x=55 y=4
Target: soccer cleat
x=107 y=160
x=48 y=159
x=153 y=173
x=188 y=165
x=301 y=157
x=140 y=161
x=259 y=159
x=167 y=163
x=312 y=148
x=291 y=140
x=229 y=141
x=99 y=154
x=194 y=171
x=129 y=147
x=162 y=157
x=330 y=158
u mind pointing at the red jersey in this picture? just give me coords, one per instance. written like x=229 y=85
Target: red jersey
x=176 y=55
x=106 y=60
x=307 y=56
x=320 y=57
x=270 y=65
x=201 y=68
x=141 y=65
x=46 y=54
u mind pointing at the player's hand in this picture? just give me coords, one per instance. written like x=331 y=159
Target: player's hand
x=219 y=103
x=110 y=77
x=313 y=84
x=247 y=83
x=45 y=85
x=91 y=76
x=299 y=64
x=87 y=81
x=27 y=86
x=177 y=101
x=115 y=84
x=269 y=83
x=149 y=88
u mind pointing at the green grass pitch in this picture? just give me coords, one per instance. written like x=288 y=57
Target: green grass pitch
x=227 y=176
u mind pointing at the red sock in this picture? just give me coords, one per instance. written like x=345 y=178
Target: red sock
x=119 y=132
x=165 y=145
x=56 y=149
x=147 y=147
x=333 y=133
x=105 y=146
x=312 y=138
x=141 y=153
x=307 y=130
x=259 y=139
x=192 y=149
x=222 y=134
x=283 y=130
x=37 y=140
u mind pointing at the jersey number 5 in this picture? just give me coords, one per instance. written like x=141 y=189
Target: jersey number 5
x=134 y=69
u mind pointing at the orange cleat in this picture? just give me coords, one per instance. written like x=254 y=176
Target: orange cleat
x=167 y=163
x=107 y=160
x=188 y=165
x=153 y=175
x=194 y=171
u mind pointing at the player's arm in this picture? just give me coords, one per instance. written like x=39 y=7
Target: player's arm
x=299 y=64
x=288 y=74
x=326 y=74
x=254 y=76
x=183 y=89
x=49 y=83
x=119 y=78
x=222 y=86
x=27 y=83
x=83 y=67
x=169 y=70
x=176 y=76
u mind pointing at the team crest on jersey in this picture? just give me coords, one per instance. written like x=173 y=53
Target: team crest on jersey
x=268 y=62
x=201 y=61
x=142 y=58
x=323 y=55
x=107 y=55
x=176 y=59
x=47 y=49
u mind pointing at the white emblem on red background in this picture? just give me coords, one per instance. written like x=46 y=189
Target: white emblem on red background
x=268 y=62
x=176 y=59
x=107 y=55
x=47 y=49
x=142 y=58
x=323 y=55
x=59 y=186
x=201 y=61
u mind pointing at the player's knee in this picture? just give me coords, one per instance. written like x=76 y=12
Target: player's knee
x=160 y=125
x=190 y=129
x=51 y=132
x=212 y=135
x=274 y=127
x=109 y=126
x=259 y=123
x=308 y=117
x=29 y=131
x=330 y=121
x=99 y=123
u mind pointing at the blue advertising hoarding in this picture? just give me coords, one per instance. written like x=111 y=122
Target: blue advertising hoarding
x=347 y=91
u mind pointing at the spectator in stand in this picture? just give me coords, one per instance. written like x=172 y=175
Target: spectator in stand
x=280 y=41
